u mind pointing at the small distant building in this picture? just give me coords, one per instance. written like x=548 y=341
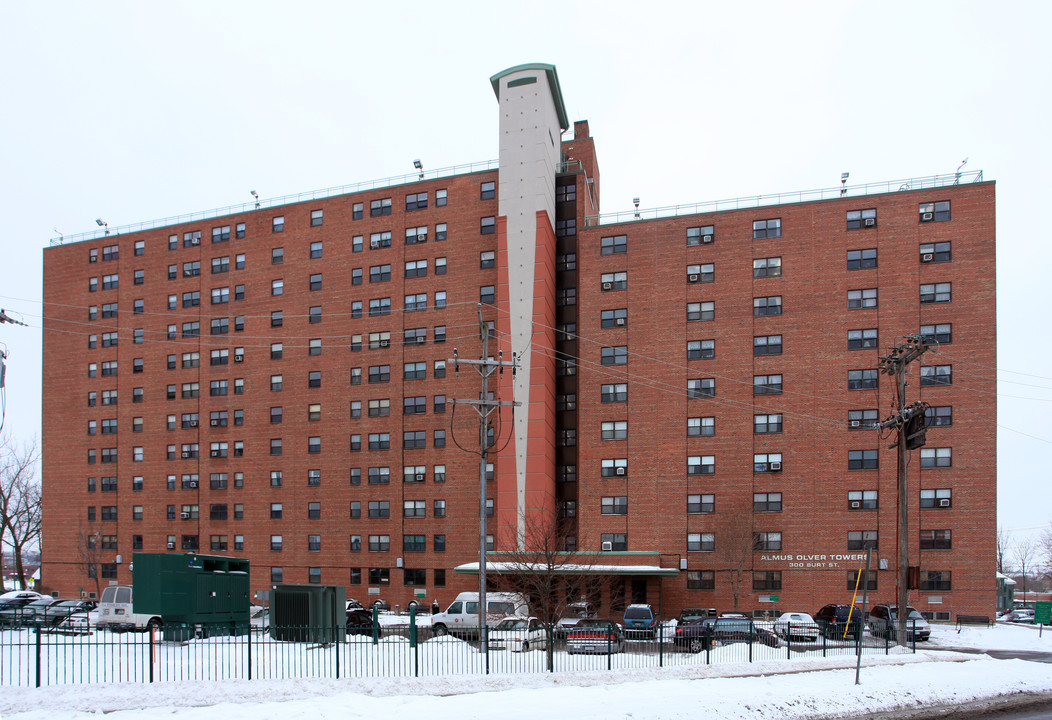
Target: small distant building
x=1005 y=592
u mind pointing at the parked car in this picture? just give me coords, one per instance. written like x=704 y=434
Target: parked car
x=25 y=614
x=796 y=625
x=883 y=622
x=595 y=635
x=702 y=634
x=687 y=615
x=574 y=613
x=1022 y=615
x=259 y=618
x=26 y=596
x=352 y=604
x=640 y=621
x=462 y=615
x=518 y=634
x=117 y=611
x=360 y=622
x=56 y=613
x=834 y=623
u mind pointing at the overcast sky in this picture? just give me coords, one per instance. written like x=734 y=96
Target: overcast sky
x=133 y=111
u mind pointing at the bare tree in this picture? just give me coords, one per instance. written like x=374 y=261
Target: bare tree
x=1046 y=548
x=546 y=572
x=735 y=544
x=20 y=505
x=1025 y=554
x=1003 y=542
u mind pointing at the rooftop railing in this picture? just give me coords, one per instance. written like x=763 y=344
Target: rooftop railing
x=415 y=176
x=754 y=201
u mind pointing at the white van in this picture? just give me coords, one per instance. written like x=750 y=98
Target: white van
x=116 y=611
x=462 y=615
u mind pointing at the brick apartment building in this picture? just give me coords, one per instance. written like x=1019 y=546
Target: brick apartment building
x=697 y=385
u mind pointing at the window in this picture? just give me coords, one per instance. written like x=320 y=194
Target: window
x=861 y=339
x=701 y=273
x=410 y=371
x=859 y=299
x=939 y=498
x=414 y=439
x=379 y=475
x=613 y=245
x=936 y=375
x=617 y=542
x=767 y=580
x=614 y=505
x=862 y=459
x=415 y=201
x=275 y=446
x=767 y=267
x=767 y=345
x=414 y=405
x=701 y=465
x=862 y=540
x=766 y=541
x=763 y=306
x=858 y=219
x=701 y=579
x=766 y=384
x=936 y=334
x=415 y=268
x=110 y=282
x=701 y=388
x=862 y=419
x=862 y=379
x=617 y=317
x=567 y=296
x=379 y=509
x=935 y=252
x=617 y=355
x=614 y=467
x=379 y=273
x=862 y=499
x=767 y=462
x=934 y=293
x=566 y=192
x=935 y=211
x=770 y=228
x=701 y=426
x=314 y=314
x=701 y=311
x=139 y=277
x=936 y=457
x=487 y=295
x=487 y=225
x=379 y=543
x=617 y=392
x=700 y=235
x=701 y=504
x=861 y=259
x=934 y=416
x=563 y=262
x=701 y=349
x=414 y=508
x=936 y=540
x=615 y=430
x=766 y=424
x=701 y=542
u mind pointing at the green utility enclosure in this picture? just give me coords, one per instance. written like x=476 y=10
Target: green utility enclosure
x=189 y=589
x=308 y=613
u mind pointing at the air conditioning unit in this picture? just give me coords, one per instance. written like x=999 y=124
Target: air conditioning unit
x=619 y=321
x=706 y=239
x=775 y=466
x=193 y=483
x=195 y=241
x=420 y=339
x=693 y=277
x=193 y=423
x=855 y=504
x=608 y=546
x=856 y=423
x=214 y=453
x=421 y=238
x=419 y=478
x=869 y=222
x=608 y=286
x=213 y=423
x=619 y=471
x=374 y=244
x=171 y=546
x=927 y=217
x=188 y=273
x=927 y=257
x=385 y=343
x=944 y=502
x=186 y=455
x=93 y=258
x=184 y=516
x=239 y=358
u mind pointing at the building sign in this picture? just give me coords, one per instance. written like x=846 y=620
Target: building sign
x=831 y=561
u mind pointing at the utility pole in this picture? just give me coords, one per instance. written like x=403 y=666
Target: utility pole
x=908 y=422
x=484 y=407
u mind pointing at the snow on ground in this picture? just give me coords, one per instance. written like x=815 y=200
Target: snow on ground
x=818 y=687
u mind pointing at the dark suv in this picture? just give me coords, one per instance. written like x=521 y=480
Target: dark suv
x=832 y=621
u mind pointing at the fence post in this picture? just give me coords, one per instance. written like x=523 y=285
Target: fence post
x=752 y=637
x=337 y=631
x=788 y=640
x=149 y=649
x=38 y=656
x=250 y=650
x=822 y=629
x=661 y=645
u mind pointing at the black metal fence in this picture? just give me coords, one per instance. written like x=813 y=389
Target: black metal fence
x=40 y=656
